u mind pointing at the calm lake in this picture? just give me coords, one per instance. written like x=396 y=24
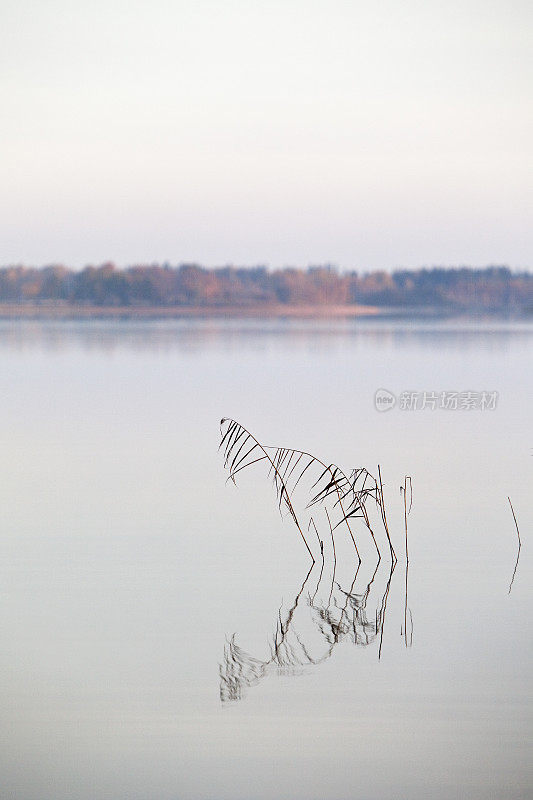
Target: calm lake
x=163 y=636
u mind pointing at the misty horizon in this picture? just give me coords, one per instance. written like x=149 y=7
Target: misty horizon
x=285 y=133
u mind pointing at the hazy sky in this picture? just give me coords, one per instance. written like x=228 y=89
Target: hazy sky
x=363 y=134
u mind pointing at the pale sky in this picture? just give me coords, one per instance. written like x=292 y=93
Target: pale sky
x=369 y=135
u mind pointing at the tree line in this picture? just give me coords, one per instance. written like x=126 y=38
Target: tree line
x=490 y=289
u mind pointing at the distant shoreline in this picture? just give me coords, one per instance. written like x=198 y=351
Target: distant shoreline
x=166 y=292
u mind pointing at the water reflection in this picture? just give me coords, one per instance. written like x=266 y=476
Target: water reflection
x=323 y=615
x=199 y=334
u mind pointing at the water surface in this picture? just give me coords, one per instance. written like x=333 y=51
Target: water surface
x=129 y=567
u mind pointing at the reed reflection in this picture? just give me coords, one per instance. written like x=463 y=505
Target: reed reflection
x=324 y=615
